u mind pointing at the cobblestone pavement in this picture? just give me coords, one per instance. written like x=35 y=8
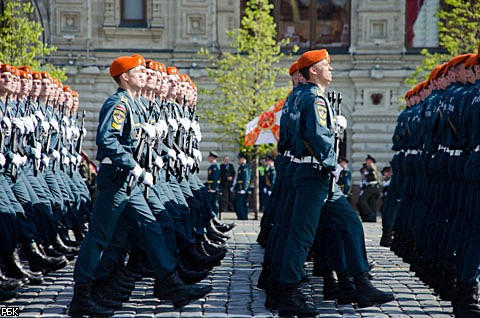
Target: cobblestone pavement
x=235 y=295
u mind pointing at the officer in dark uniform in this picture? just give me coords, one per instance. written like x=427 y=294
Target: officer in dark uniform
x=242 y=183
x=315 y=146
x=367 y=202
x=213 y=181
x=117 y=140
x=345 y=178
x=227 y=175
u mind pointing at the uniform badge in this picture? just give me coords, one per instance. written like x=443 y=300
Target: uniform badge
x=118 y=116
x=322 y=111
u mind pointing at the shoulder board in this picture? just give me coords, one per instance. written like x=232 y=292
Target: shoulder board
x=124 y=99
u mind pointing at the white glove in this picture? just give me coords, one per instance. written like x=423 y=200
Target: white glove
x=39 y=115
x=173 y=123
x=66 y=160
x=18 y=124
x=65 y=121
x=45 y=126
x=159 y=162
x=162 y=128
x=337 y=171
x=265 y=190
x=56 y=155
x=64 y=151
x=198 y=135
x=69 y=133
x=149 y=130
x=2 y=160
x=172 y=154
x=148 y=179
x=79 y=159
x=23 y=160
x=190 y=162
x=45 y=161
x=232 y=189
x=241 y=192
x=73 y=160
x=27 y=124
x=54 y=125
x=197 y=154
x=34 y=120
x=183 y=159
x=84 y=132
x=341 y=122
x=37 y=152
x=137 y=171
x=17 y=160
x=185 y=123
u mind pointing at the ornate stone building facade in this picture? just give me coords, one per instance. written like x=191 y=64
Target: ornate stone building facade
x=373 y=45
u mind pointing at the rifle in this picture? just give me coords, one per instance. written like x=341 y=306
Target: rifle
x=170 y=137
x=78 y=148
x=59 y=144
x=137 y=156
x=336 y=143
x=149 y=153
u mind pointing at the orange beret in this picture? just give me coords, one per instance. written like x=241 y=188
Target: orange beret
x=26 y=69
x=162 y=68
x=184 y=77
x=311 y=57
x=74 y=93
x=46 y=75
x=151 y=64
x=67 y=89
x=293 y=68
x=123 y=64
x=36 y=75
x=23 y=74
x=172 y=70
x=458 y=60
x=6 y=68
x=434 y=72
x=472 y=61
x=15 y=71
x=408 y=94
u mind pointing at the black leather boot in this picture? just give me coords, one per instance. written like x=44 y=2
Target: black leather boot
x=368 y=295
x=193 y=260
x=39 y=262
x=179 y=293
x=7 y=294
x=68 y=242
x=99 y=297
x=264 y=278
x=52 y=252
x=273 y=295
x=61 y=247
x=211 y=249
x=211 y=227
x=347 y=293
x=223 y=227
x=330 y=286
x=467 y=302
x=83 y=305
x=191 y=277
x=291 y=305
x=14 y=268
x=387 y=238
x=9 y=284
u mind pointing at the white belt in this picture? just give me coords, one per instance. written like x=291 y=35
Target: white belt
x=309 y=159
x=107 y=160
x=296 y=160
x=413 y=151
x=288 y=154
x=372 y=182
x=455 y=153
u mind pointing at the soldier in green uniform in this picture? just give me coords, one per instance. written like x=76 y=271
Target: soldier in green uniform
x=213 y=181
x=345 y=178
x=241 y=184
x=367 y=202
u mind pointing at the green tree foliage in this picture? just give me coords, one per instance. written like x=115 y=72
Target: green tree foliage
x=244 y=81
x=21 y=39
x=459 y=33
